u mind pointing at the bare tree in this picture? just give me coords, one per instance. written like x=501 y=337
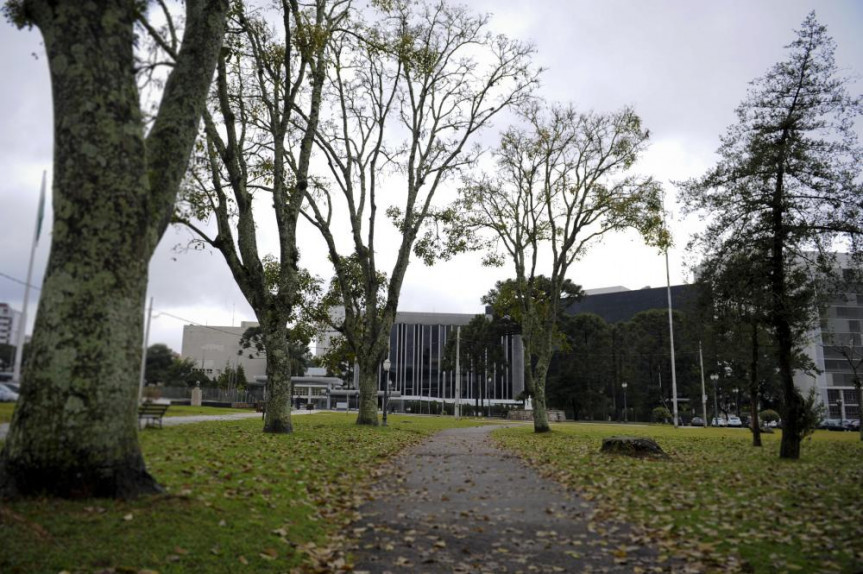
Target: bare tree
x=74 y=432
x=258 y=142
x=562 y=182
x=408 y=94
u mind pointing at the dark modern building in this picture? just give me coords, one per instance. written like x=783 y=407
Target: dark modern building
x=616 y=304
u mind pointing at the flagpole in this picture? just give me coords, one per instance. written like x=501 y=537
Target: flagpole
x=22 y=327
x=670 y=324
x=144 y=353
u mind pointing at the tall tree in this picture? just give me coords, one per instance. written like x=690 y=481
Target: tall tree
x=160 y=359
x=408 y=95
x=266 y=104
x=734 y=300
x=74 y=432
x=789 y=178
x=562 y=182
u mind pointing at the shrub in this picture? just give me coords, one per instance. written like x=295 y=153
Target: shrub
x=769 y=416
x=660 y=415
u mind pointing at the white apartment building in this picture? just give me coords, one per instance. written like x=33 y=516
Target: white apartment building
x=839 y=330
x=9 y=321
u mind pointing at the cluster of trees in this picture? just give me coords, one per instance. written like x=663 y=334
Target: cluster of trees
x=390 y=98
x=595 y=359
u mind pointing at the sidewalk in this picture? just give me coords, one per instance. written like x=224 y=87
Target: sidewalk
x=459 y=504
x=174 y=421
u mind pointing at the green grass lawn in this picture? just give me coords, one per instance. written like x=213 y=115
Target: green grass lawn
x=185 y=411
x=237 y=500
x=6 y=412
x=175 y=411
x=718 y=502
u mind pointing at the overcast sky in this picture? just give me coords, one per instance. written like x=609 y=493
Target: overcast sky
x=684 y=65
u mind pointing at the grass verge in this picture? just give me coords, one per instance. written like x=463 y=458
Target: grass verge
x=237 y=500
x=6 y=410
x=186 y=411
x=718 y=502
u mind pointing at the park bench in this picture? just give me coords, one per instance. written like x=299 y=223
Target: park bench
x=151 y=413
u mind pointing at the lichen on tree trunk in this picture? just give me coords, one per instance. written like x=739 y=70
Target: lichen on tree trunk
x=278 y=412
x=74 y=431
x=367 y=412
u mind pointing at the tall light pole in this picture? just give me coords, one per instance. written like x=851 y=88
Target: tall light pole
x=671 y=341
x=703 y=392
x=625 y=415
x=456 y=408
x=387 y=365
x=715 y=378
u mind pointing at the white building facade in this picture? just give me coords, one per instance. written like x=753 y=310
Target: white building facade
x=10 y=320
x=214 y=348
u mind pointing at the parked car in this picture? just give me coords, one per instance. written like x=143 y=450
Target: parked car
x=853 y=425
x=697 y=422
x=14 y=387
x=831 y=424
x=718 y=422
x=7 y=395
x=734 y=421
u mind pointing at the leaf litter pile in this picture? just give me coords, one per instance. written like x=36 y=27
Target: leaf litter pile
x=717 y=503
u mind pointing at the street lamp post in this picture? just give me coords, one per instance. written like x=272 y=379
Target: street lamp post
x=387 y=365
x=625 y=414
x=487 y=400
x=841 y=411
x=736 y=392
x=715 y=378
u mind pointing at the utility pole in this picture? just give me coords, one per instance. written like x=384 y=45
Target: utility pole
x=703 y=392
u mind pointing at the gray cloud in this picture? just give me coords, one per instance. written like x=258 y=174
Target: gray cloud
x=684 y=66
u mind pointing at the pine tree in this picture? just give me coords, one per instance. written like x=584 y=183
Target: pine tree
x=788 y=179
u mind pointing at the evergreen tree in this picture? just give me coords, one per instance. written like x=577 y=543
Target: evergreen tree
x=788 y=179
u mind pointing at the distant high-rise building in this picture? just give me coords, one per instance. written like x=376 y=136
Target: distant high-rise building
x=9 y=321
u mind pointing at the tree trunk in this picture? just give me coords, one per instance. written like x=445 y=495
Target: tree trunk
x=74 y=432
x=792 y=402
x=368 y=406
x=540 y=410
x=754 y=423
x=278 y=412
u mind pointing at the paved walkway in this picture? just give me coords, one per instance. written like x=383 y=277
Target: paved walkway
x=457 y=503
x=174 y=421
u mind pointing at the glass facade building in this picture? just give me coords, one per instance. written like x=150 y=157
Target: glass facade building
x=418 y=372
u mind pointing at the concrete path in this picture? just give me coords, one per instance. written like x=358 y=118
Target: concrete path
x=457 y=503
x=174 y=421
